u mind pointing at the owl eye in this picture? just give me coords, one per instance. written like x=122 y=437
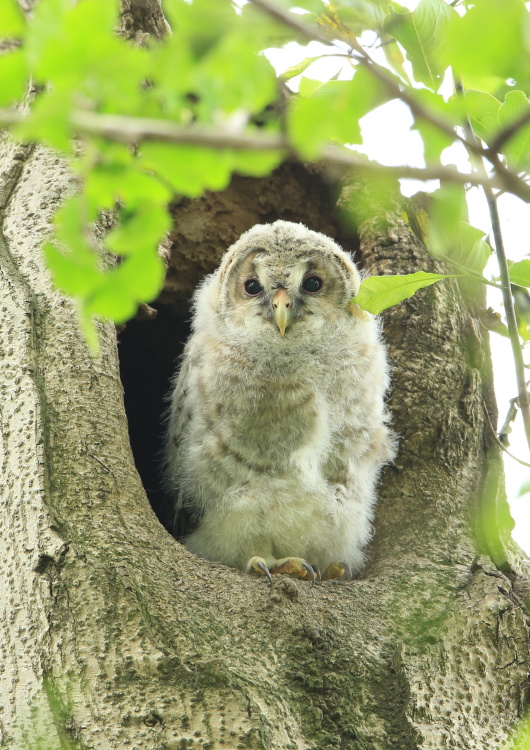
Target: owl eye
x=312 y=284
x=253 y=287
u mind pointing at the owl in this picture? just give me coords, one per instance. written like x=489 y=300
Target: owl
x=277 y=429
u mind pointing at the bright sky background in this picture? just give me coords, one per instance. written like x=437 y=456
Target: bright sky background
x=396 y=145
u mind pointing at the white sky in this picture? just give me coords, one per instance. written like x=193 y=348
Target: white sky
x=398 y=144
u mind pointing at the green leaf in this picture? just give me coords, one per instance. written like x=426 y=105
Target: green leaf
x=447 y=212
x=489 y=40
x=138 y=278
x=12 y=21
x=139 y=189
x=520 y=273
x=234 y=76
x=140 y=231
x=69 y=226
x=483 y=112
x=517 y=148
x=434 y=139
x=190 y=170
x=256 y=163
x=45 y=29
x=378 y=293
x=49 y=122
x=469 y=251
x=143 y=274
x=13 y=75
x=308 y=86
x=492 y=321
x=167 y=57
x=296 y=70
x=83 y=34
x=72 y=274
x=361 y=15
x=464 y=247
x=395 y=57
x=421 y=33
x=333 y=113
x=202 y=22
x=105 y=169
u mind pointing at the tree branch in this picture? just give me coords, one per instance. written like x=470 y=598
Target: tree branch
x=140 y=129
x=512 y=182
x=378 y=71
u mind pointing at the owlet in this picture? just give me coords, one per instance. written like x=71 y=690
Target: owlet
x=277 y=429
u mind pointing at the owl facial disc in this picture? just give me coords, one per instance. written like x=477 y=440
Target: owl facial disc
x=281 y=303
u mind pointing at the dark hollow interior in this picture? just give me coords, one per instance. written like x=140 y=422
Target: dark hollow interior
x=149 y=352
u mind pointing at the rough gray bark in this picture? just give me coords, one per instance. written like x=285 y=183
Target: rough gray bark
x=112 y=635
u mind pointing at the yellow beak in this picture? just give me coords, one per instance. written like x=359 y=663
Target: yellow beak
x=282 y=310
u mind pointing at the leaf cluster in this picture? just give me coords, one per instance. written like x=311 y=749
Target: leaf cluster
x=211 y=74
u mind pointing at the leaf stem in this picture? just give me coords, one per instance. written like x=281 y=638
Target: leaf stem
x=499 y=442
x=509 y=309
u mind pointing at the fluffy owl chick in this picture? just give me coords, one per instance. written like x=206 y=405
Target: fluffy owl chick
x=277 y=428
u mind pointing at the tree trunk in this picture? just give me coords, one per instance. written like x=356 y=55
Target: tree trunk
x=114 y=636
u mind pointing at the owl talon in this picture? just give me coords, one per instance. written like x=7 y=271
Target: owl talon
x=336 y=570
x=296 y=567
x=258 y=566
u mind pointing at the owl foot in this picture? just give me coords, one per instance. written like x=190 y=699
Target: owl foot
x=294 y=566
x=336 y=570
x=290 y=566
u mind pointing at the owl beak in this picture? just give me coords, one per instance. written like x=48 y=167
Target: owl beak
x=282 y=310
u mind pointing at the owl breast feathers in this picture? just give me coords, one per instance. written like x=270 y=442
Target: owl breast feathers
x=277 y=428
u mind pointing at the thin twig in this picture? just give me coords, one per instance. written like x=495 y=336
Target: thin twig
x=499 y=443
x=509 y=309
x=378 y=71
x=294 y=22
x=510 y=180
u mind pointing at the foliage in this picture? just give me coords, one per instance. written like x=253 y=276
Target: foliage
x=215 y=75
x=378 y=293
x=143 y=124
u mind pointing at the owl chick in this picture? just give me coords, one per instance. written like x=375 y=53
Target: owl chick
x=277 y=427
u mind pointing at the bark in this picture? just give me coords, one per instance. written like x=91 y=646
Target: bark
x=114 y=636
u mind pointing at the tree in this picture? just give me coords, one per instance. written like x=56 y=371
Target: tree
x=112 y=634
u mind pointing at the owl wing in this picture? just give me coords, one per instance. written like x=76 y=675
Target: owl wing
x=185 y=521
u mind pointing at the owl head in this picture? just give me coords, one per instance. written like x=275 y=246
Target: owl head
x=282 y=278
